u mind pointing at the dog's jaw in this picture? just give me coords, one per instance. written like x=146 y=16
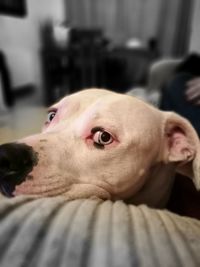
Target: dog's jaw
x=157 y=189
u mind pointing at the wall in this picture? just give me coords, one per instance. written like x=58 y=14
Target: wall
x=20 y=40
x=120 y=19
x=142 y=19
x=167 y=25
x=175 y=27
x=195 y=31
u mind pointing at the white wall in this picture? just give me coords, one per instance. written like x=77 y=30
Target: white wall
x=195 y=30
x=20 y=40
x=168 y=26
x=120 y=19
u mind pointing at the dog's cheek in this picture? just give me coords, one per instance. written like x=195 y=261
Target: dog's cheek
x=44 y=181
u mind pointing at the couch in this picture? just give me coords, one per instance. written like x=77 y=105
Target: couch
x=49 y=232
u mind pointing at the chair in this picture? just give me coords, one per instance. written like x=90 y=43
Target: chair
x=160 y=72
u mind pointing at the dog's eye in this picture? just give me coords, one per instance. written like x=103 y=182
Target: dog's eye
x=102 y=137
x=51 y=115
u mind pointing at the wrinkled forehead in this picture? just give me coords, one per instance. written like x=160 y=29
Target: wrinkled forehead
x=120 y=108
x=90 y=96
x=85 y=97
x=82 y=100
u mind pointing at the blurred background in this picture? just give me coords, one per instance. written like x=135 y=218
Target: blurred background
x=50 y=48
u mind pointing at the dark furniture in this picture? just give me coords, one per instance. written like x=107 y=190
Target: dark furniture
x=7 y=93
x=127 y=68
x=13 y=8
x=87 y=61
x=78 y=66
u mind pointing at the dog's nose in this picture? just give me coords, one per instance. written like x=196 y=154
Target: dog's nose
x=16 y=161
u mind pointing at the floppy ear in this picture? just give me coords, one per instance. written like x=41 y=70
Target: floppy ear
x=182 y=146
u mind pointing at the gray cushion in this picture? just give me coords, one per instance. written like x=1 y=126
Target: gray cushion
x=53 y=232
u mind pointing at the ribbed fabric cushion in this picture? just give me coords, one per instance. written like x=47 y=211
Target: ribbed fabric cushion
x=52 y=232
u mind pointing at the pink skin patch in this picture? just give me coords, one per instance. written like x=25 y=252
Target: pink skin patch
x=52 y=117
x=180 y=149
x=62 y=111
x=94 y=134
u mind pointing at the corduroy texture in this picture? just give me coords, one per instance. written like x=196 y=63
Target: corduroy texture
x=55 y=233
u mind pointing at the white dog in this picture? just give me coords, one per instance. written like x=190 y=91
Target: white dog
x=97 y=143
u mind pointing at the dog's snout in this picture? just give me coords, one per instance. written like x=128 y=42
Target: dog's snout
x=16 y=161
x=15 y=157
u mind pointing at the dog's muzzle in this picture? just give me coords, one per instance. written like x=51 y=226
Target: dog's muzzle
x=16 y=161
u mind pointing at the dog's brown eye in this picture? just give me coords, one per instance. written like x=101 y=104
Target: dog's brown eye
x=102 y=137
x=51 y=115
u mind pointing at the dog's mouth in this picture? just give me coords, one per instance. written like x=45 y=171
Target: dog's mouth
x=10 y=181
x=16 y=162
x=7 y=189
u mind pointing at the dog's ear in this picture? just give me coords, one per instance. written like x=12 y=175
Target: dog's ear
x=182 y=146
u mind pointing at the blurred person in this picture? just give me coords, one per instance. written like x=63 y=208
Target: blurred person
x=182 y=93
x=192 y=92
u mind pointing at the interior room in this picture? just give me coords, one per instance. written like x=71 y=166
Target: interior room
x=54 y=48
x=81 y=194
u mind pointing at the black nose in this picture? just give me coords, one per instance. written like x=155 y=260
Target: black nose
x=16 y=161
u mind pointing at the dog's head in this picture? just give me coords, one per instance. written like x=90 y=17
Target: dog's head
x=99 y=143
